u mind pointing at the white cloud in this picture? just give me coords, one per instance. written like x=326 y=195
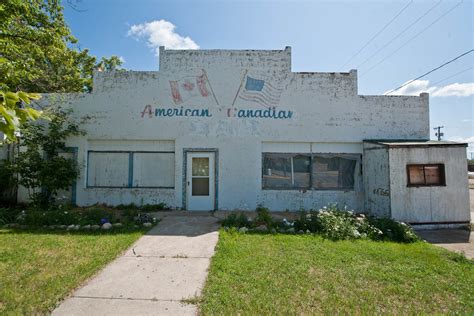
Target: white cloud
x=122 y=59
x=161 y=33
x=455 y=90
x=451 y=90
x=414 y=88
x=469 y=140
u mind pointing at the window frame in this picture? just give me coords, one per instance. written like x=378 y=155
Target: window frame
x=310 y=187
x=442 y=176
x=130 y=169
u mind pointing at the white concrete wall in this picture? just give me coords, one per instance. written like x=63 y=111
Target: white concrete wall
x=376 y=171
x=448 y=203
x=326 y=112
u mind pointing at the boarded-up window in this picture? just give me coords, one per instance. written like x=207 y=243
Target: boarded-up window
x=108 y=169
x=286 y=171
x=426 y=175
x=130 y=169
x=332 y=171
x=153 y=169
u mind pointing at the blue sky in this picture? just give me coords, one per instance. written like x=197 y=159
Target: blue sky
x=324 y=35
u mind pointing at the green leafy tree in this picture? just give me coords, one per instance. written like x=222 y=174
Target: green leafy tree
x=38 y=51
x=41 y=167
x=14 y=113
x=39 y=54
x=109 y=64
x=7 y=183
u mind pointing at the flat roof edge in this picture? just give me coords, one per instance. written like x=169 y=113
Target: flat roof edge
x=419 y=143
x=164 y=49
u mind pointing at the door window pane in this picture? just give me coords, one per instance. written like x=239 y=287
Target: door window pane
x=200 y=167
x=200 y=186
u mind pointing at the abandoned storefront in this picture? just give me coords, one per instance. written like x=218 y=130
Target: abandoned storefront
x=229 y=130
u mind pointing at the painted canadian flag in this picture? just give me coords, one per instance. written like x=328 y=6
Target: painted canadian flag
x=190 y=87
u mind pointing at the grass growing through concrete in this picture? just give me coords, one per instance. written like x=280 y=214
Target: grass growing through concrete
x=39 y=268
x=303 y=274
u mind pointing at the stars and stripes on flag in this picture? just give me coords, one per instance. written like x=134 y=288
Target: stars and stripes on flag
x=189 y=87
x=260 y=91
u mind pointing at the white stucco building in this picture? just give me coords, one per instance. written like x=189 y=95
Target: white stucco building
x=232 y=129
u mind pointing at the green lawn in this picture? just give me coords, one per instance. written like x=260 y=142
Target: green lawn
x=37 y=269
x=301 y=274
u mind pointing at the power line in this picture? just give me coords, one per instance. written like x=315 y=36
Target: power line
x=432 y=70
x=458 y=73
x=399 y=34
x=412 y=38
x=378 y=33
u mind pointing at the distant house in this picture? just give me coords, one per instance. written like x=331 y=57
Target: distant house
x=232 y=129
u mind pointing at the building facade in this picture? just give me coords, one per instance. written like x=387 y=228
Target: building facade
x=232 y=129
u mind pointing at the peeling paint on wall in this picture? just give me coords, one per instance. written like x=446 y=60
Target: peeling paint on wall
x=221 y=99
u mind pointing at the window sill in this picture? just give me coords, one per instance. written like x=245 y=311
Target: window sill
x=105 y=187
x=307 y=189
x=425 y=185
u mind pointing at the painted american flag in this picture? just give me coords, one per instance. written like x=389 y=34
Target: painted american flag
x=260 y=91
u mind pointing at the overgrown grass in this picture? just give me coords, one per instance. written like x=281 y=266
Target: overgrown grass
x=255 y=274
x=38 y=268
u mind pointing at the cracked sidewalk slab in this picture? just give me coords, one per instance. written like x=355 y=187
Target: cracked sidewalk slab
x=149 y=278
x=167 y=265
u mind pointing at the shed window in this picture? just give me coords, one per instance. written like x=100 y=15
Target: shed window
x=108 y=169
x=286 y=171
x=334 y=171
x=426 y=175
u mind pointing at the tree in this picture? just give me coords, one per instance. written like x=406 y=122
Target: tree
x=109 y=64
x=14 y=113
x=39 y=54
x=41 y=167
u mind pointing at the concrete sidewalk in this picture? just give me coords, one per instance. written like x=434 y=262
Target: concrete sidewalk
x=161 y=269
x=458 y=240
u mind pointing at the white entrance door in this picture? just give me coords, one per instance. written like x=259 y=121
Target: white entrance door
x=200 y=173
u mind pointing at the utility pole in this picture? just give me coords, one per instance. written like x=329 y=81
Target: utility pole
x=438 y=133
